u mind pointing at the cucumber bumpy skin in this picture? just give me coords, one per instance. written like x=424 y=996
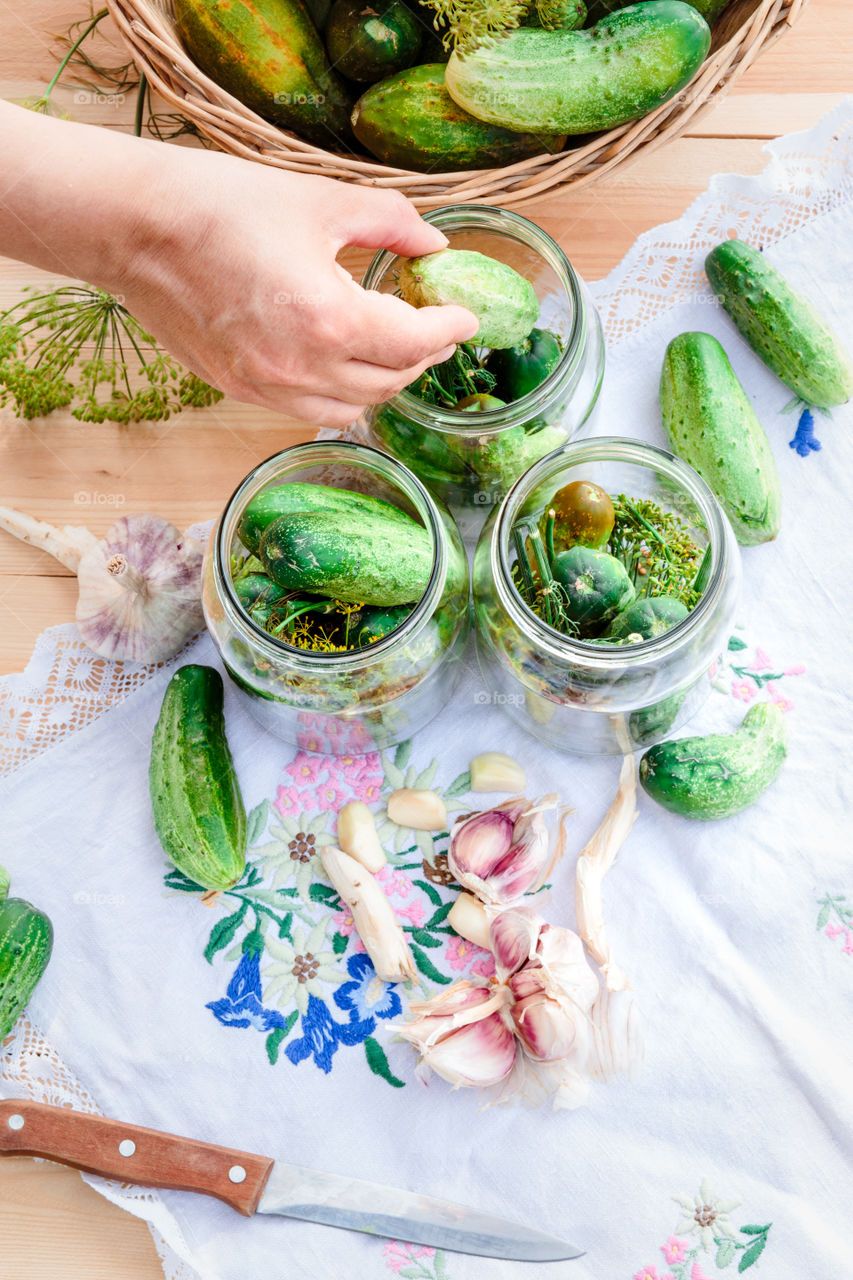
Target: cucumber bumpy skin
x=502 y=300
x=300 y=495
x=583 y=81
x=199 y=814
x=721 y=774
x=711 y=424
x=780 y=324
x=26 y=941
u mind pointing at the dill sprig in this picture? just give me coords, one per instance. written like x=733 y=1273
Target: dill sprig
x=657 y=549
x=447 y=383
x=78 y=345
x=469 y=24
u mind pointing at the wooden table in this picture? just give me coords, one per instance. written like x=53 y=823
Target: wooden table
x=51 y=1223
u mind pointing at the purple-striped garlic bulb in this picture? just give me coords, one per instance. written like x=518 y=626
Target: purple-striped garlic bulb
x=503 y=853
x=462 y=1035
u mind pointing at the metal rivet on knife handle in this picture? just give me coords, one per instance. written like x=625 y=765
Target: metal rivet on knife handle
x=103 y=1146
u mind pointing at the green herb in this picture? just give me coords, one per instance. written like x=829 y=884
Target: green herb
x=657 y=550
x=469 y=24
x=122 y=375
x=540 y=591
x=445 y=384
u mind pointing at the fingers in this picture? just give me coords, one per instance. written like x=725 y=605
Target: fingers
x=390 y=332
x=384 y=220
x=374 y=383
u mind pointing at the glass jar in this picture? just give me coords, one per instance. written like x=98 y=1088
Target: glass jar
x=471 y=460
x=363 y=699
x=582 y=696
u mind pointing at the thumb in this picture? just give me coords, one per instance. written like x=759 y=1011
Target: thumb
x=385 y=220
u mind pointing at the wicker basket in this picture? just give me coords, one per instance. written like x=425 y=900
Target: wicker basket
x=745 y=28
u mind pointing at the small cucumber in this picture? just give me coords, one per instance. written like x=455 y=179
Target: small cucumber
x=502 y=300
x=718 y=775
x=298 y=495
x=596 y=584
x=556 y=15
x=524 y=367
x=711 y=424
x=26 y=941
x=198 y=809
x=649 y=617
x=376 y=623
x=780 y=324
x=368 y=42
x=709 y=9
x=582 y=81
x=368 y=559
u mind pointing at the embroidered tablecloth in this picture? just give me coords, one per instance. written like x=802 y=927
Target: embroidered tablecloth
x=254 y=1018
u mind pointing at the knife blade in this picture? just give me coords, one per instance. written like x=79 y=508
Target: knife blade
x=258 y=1184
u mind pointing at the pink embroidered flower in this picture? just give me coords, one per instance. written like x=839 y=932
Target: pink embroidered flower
x=761 y=661
x=696 y=1273
x=288 y=802
x=394 y=882
x=398 y=1255
x=368 y=787
x=459 y=952
x=848 y=945
x=674 y=1250
x=343 y=922
x=714 y=668
x=330 y=796
x=413 y=912
x=783 y=703
x=797 y=670
x=833 y=930
x=744 y=689
x=651 y=1273
x=306 y=769
x=312 y=741
x=485 y=966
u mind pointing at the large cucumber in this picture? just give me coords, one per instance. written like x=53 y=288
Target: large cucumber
x=26 y=940
x=268 y=54
x=298 y=495
x=712 y=425
x=780 y=324
x=718 y=775
x=583 y=81
x=368 y=559
x=198 y=809
x=411 y=121
x=503 y=301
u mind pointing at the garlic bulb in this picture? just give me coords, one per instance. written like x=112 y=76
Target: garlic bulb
x=462 y=1035
x=139 y=587
x=502 y=853
x=616 y=1047
x=373 y=915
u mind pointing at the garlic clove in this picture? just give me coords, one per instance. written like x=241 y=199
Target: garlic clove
x=372 y=913
x=549 y=1028
x=513 y=937
x=494 y=771
x=461 y=1034
x=560 y=953
x=498 y=862
x=358 y=837
x=468 y=917
x=480 y=843
x=617 y=1045
x=421 y=810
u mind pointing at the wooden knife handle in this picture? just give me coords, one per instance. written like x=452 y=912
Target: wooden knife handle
x=132 y=1154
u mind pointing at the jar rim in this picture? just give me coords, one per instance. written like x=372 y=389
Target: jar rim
x=520 y=229
x=303 y=454
x=608 y=449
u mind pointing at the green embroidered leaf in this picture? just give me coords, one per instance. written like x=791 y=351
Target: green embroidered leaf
x=427 y=967
x=284 y=928
x=752 y=1254
x=276 y=1038
x=339 y=944
x=439 y=1265
x=440 y=915
x=756 y=1231
x=378 y=1063
x=424 y=938
x=393 y=776
x=824 y=916
x=725 y=1253
x=459 y=786
x=177 y=880
x=256 y=823
x=412 y=1273
x=254 y=941
x=736 y=644
x=430 y=891
x=323 y=893
x=254 y=876
x=423 y=781
x=223 y=932
x=401 y=755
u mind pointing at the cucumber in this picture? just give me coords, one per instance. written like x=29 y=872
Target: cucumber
x=26 y=941
x=709 y=9
x=596 y=585
x=376 y=623
x=647 y=618
x=368 y=560
x=583 y=81
x=711 y=424
x=366 y=43
x=502 y=300
x=556 y=15
x=718 y=775
x=199 y=814
x=285 y=499
x=411 y=121
x=780 y=324
x=268 y=55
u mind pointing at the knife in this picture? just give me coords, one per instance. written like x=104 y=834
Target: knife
x=257 y=1184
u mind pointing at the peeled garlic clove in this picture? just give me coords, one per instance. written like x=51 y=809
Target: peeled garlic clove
x=617 y=1046
x=373 y=915
x=494 y=771
x=513 y=937
x=421 y=810
x=468 y=918
x=358 y=837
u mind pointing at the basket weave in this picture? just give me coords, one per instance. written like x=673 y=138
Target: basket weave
x=744 y=30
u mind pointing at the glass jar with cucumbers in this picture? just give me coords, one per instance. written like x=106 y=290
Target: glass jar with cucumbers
x=336 y=591
x=523 y=385
x=604 y=589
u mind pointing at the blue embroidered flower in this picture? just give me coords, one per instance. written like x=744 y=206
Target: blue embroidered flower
x=805 y=441
x=367 y=997
x=241 y=1005
x=322 y=1035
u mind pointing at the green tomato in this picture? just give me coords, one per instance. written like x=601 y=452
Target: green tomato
x=522 y=368
x=596 y=585
x=584 y=515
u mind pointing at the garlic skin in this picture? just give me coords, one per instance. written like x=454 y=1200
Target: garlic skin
x=502 y=853
x=139 y=587
x=372 y=913
x=462 y=1035
x=617 y=1045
